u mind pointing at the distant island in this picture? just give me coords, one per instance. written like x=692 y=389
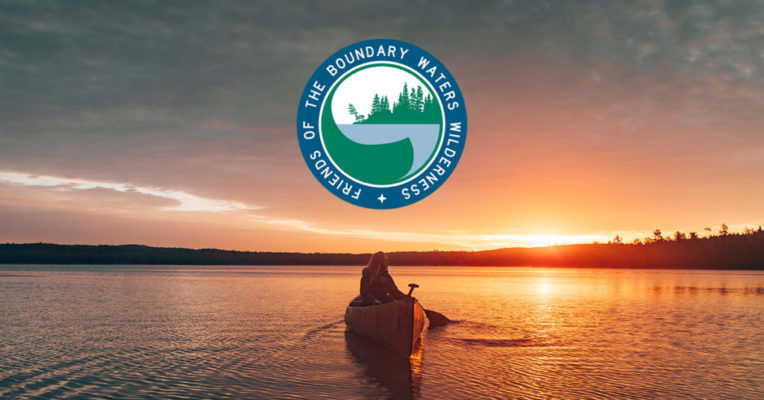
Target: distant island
x=722 y=251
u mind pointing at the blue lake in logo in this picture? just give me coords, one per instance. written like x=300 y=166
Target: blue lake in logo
x=423 y=138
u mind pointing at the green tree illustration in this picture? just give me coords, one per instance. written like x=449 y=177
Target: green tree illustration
x=412 y=107
x=419 y=99
x=354 y=112
x=385 y=106
x=375 y=106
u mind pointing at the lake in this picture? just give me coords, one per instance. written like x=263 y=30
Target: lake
x=199 y=332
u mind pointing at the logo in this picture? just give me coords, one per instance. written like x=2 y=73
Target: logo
x=382 y=124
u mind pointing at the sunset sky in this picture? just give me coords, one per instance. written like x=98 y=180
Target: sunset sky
x=174 y=124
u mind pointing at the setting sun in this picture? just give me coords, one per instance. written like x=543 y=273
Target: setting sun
x=539 y=240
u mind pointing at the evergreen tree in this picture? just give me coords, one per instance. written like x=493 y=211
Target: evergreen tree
x=375 y=106
x=354 y=112
x=403 y=98
x=430 y=109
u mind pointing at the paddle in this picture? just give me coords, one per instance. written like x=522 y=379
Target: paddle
x=436 y=319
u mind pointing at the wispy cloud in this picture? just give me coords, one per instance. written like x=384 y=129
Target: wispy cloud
x=184 y=201
x=189 y=202
x=467 y=240
x=255 y=218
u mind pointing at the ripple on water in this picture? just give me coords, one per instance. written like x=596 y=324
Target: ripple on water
x=519 y=333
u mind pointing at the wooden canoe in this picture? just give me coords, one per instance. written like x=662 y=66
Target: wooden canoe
x=395 y=325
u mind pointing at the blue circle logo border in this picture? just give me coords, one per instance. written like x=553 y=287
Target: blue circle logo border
x=403 y=194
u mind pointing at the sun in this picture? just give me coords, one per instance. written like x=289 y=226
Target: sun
x=550 y=240
x=539 y=240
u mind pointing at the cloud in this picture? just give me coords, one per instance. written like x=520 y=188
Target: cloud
x=184 y=201
x=474 y=241
x=176 y=64
x=255 y=219
x=187 y=202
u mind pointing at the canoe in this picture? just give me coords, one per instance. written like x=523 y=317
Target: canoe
x=395 y=325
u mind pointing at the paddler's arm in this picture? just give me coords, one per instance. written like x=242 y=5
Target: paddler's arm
x=392 y=289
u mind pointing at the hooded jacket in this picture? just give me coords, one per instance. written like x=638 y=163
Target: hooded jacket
x=376 y=283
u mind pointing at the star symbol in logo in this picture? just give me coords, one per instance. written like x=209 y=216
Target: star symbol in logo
x=382 y=198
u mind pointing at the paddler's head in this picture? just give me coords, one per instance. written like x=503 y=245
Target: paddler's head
x=385 y=263
x=377 y=263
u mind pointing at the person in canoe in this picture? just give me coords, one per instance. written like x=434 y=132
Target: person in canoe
x=377 y=286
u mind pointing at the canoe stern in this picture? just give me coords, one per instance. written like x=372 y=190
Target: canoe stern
x=396 y=325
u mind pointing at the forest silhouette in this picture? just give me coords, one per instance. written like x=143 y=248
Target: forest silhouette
x=412 y=107
x=724 y=250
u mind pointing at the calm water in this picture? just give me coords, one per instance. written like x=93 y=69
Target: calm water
x=275 y=332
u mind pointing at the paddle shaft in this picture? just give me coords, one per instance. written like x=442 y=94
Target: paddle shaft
x=412 y=286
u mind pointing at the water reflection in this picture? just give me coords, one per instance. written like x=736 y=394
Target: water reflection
x=402 y=377
x=259 y=332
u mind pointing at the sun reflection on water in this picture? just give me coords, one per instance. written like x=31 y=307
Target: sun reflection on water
x=544 y=288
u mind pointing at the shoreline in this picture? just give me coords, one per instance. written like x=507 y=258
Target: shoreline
x=731 y=252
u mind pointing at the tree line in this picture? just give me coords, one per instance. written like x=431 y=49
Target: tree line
x=724 y=250
x=678 y=235
x=412 y=107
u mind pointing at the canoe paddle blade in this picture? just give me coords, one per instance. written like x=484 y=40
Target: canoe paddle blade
x=436 y=319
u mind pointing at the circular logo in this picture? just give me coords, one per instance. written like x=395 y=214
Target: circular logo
x=382 y=124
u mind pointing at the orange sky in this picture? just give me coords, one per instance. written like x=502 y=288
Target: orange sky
x=576 y=133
